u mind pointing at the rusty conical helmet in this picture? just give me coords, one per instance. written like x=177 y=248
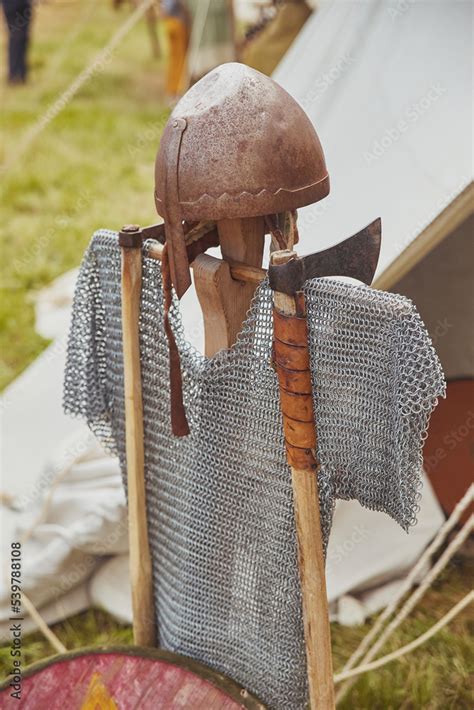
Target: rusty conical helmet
x=236 y=145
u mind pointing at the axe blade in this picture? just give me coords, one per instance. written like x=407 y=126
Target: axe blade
x=356 y=257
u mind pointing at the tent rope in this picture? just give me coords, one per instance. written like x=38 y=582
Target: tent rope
x=437 y=541
x=410 y=603
x=454 y=611
x=42 y=625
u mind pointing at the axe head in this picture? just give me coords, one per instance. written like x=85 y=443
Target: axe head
x=356 y=257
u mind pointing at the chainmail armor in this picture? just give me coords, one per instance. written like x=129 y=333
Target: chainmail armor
x=219 y=501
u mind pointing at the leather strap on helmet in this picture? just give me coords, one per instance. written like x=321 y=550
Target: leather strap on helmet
x=179 y=423
x=178 y=260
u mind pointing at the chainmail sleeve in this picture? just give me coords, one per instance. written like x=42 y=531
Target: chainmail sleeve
x=376 y=380
x=421 y=384
x=93 y=379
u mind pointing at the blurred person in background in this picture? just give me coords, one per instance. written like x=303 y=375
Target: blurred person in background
x=177 y=22
x=18 y=19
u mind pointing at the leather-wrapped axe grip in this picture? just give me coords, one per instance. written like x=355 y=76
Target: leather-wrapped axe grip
x=178 y=259
x=291 y=359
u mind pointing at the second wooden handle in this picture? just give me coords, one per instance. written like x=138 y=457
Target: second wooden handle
x=144 y=628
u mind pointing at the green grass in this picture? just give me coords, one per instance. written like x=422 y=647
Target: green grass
x=92 y=167
x=92 y=627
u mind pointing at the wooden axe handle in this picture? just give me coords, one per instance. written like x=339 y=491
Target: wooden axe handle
x=291 y=356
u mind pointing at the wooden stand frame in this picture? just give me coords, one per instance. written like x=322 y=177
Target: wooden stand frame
x=144 y=626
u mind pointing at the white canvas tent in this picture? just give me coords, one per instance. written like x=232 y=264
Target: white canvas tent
x=387 y=86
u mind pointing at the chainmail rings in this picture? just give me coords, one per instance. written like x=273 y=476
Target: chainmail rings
x=219 y=501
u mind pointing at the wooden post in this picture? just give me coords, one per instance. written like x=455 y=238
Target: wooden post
x=292 y=365
x=144 y=627
x=225 y=300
